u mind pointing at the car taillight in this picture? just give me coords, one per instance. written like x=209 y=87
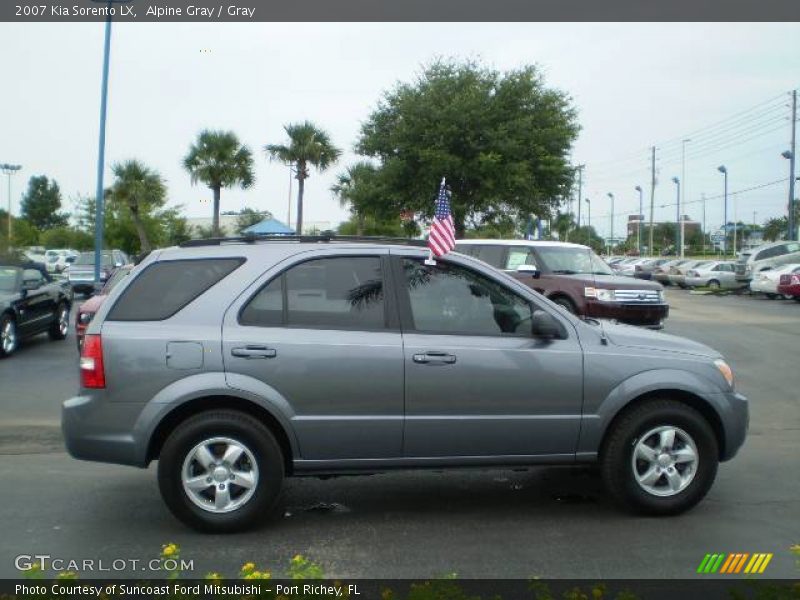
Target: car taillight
x=795 y=280
x=92 y=372
x=785 y=279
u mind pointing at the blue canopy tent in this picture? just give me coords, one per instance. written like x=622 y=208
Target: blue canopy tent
x=269 y=227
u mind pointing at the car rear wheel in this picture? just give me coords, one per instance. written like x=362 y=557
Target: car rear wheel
x=221 y=472
x=60 y=326
x=714 y=284
x=771 y=296
x=8 y=336
x=659 y=458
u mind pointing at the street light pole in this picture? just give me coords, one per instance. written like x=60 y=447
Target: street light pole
x=724 y=170
x=704 y=225
x=589 y=208
x=683 y=179
x=678 y=232
x=9 y=170
x=639 y=222
x=611 y=238
x=792 y=224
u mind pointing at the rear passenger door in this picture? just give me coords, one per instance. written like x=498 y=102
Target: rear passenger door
x=322 y=336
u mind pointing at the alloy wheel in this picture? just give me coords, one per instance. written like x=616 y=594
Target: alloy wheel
x=8 y=337
x=220 y=475
x=664 y=461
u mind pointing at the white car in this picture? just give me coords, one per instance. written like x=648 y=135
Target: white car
x=766 y=282
x=717 y=275
x=58 y=260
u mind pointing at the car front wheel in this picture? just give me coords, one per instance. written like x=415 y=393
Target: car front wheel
x=660 y=458
x=221 y=471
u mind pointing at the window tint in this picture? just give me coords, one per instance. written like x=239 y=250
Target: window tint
x=333 y=293
x=450 y=299
x=494 y=255
x=519 y=256
x=164 y=288
x=32 y=275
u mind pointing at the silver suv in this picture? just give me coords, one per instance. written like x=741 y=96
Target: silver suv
x=237 y=363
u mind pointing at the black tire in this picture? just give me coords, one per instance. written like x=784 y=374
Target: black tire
x=714 y=284
x=565 y=303
x=616 y=458
x=242 y=428
x=8 y=324
x=797 y=298
x=58 y=329
x=771 y=296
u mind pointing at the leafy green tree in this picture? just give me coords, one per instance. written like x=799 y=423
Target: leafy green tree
x=502 y=140
x=370 y=226
x=174 y=228
x=588 y=237
x=308 y=146
x=41 y=204
x=357 y=188
x=564 y=223
x=218 y=160
x=140 y=190
x=66 y=237
x=249 y=217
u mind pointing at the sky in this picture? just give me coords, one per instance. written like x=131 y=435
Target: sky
x=635 y=85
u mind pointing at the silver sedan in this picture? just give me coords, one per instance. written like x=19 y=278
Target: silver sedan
x=717 y=275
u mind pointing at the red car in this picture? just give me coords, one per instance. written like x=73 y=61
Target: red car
x=790 y=285
x=87 y=310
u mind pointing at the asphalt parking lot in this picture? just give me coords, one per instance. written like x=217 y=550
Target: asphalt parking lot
x=507 y=524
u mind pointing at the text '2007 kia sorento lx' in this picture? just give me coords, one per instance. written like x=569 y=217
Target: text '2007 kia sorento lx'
x=238 y=364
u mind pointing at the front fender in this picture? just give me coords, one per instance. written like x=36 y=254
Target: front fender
x=204 y=385
x=597 y=418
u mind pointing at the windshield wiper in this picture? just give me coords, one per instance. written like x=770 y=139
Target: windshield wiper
x=564 y=272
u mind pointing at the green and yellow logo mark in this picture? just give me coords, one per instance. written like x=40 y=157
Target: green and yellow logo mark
x=729 y=564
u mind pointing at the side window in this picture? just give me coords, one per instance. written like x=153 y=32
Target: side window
x=493 y=255
x=331 y=293
x=33 y=275
x=792 y=247
x=450 y=299
x=164 y=288
x=519 y=256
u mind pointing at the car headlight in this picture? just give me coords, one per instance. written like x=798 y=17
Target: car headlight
x=726 y=371
x=85 y=318
x=600 y=294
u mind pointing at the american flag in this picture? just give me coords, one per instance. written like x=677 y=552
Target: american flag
x=442 y=237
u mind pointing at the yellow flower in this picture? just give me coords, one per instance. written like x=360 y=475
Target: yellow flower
x=297 y=558
x=248 y=567
x=169 y=550
x=795 y=549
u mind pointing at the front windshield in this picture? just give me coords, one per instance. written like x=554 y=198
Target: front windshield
x=8 y=278
x=572 y=260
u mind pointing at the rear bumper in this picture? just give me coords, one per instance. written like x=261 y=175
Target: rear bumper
x=102 y=431
x=791 y=290
x=645 y=315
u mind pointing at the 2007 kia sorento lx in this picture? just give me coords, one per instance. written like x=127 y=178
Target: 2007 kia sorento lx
x=239 y=363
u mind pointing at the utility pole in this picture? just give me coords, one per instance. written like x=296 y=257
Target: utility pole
x=683 y=180
x=639 y=221
x=611 y=237
x=792 y=224
x=580 y=190
x=652 y=197
x=678 y=224
x=704 y=225
x=9 y=170
x=724 y=170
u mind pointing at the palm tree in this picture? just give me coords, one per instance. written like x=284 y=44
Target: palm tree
x=563 y=224
x=354 y=189
x=219 y=160
x=308 y=146
x=140 y=190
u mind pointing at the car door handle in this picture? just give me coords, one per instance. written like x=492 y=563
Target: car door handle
x=435 y=358
x=254 y=352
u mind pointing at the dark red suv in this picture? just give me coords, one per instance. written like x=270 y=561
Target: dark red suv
x=574 y=277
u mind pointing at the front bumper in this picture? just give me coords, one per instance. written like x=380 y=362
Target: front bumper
x=736 y=422
x=98 y=430
x=644 y=315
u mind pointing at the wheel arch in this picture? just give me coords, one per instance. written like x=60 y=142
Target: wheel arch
x=195 y=406
x=695 y=401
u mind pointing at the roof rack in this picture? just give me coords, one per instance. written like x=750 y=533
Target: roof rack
x=324 y=238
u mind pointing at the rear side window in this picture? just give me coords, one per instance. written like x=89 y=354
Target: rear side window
x=326 y=293
x=494 y=255
x=164 y=288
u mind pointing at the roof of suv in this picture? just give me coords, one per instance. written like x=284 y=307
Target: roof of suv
x=522 y=243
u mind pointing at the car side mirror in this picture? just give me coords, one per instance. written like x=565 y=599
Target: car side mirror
x=117 y=265
x=530 y=270
x=545 y=325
